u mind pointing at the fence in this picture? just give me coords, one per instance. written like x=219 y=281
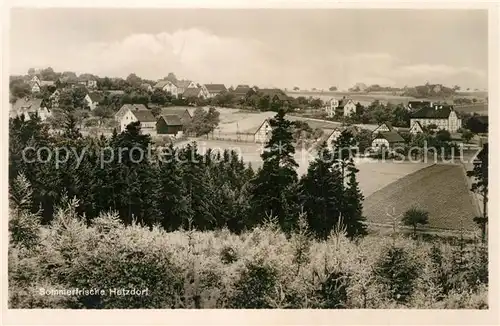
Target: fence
x=237 y=137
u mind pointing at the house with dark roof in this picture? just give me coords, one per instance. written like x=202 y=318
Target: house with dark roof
x=167 y=86
x=145 y=117
x=182 y=85
x=181 y=111
x=346 y=107
x=193 y=92
x=169 y=124
x=129 y=107
x=242 y=90
x=29 y=107
x=442 y=116
x=214 y=89
x=93 y=99
x=336 y=132
x=388 y=140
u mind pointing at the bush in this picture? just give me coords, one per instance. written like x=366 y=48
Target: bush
x=260 y=268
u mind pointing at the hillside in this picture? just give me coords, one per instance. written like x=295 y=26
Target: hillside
x=440 y=189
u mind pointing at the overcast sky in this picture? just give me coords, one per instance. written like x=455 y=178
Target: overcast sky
x=272 y=47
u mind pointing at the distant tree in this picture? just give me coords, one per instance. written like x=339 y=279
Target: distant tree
x=171 y=77
x=19 y=88
x=333 y=89
x=31 y=72
x=48 y=74
x=134 y=80
x=414 y=217
x=479 y=175
x=103 y=112
x=296 y=88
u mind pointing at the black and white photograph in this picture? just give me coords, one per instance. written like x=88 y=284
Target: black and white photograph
x=248 y=158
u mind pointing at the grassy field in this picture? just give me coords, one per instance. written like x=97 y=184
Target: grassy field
x=373 y=175
x=442 y=190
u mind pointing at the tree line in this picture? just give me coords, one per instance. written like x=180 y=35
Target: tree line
x=185 y=187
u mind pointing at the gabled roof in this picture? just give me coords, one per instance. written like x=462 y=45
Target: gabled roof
x=390 y=136
x=192 y=91
x=171 y=119
x=163 y=83
x=344 y=101
x=257 y=128
x=47 y=83
x=241 y=89
x=144 y=116
x=417 y=123
x=177 y=110
x=215 y=88
x=96 y=97
x=433 y=113
x=183 y=83
x=388 y=124
x=30 y=105
x=135 y=107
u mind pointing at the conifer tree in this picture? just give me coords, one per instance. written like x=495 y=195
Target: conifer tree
x=275 y=186
x=320 y=193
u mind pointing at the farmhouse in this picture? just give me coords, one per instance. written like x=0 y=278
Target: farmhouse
x=387 y=139
x=214 y=89
x=275 y=94
x=88 y=82
x=145 y=117
x=241 y=91
x=92 y=100
x=28 y=107
x=169 y=124
x=129 y=107
x=167 y=86
x=346 y=107
x=182 y=85
x=181 y=111
x=54 y=98
x=331 y=106
x=386 y=126
x=444 y=117
x=194 y=92
x=262 y=133
x=334 y=135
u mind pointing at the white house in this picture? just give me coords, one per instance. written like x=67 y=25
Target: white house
x=182 y=85
x=92 y=100
x=167 y=86
x=214 y=89
x=263 y=133
x=444 y=117
x=346 y=107
x=387 y=139
x=331 y=105
x=27 y=107
x=129 y=107
x=194 y=92
x=416 y=128
x=145 y=117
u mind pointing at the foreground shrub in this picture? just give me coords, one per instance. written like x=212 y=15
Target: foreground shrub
x=261 y=268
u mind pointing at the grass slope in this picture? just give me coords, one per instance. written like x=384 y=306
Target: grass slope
x=442 y=190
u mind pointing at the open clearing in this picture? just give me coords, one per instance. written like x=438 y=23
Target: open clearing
x=440 y=189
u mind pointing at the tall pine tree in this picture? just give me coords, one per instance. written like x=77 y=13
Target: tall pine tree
x=275 y=191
